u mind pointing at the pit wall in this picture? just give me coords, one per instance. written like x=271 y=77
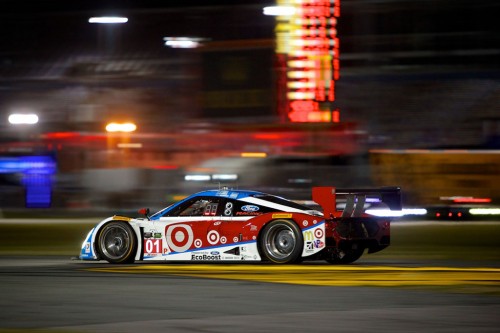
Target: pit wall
x=427 y=175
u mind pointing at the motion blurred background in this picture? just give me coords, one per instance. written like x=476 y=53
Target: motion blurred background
x=191 y=95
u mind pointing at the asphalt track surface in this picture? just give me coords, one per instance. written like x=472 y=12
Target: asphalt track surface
x=60 y=294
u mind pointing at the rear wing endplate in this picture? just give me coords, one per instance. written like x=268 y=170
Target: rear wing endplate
x=355 y=199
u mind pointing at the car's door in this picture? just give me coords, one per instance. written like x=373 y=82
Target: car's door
x=188 y=226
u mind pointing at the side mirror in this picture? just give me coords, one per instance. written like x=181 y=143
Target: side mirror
x=145 y=212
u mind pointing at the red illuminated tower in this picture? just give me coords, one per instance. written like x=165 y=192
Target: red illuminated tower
x=307 y=51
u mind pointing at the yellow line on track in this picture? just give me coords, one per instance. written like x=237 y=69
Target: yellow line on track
x=326 y=275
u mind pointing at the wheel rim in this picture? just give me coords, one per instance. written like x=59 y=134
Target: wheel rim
x=280 y=241
x=115 y=242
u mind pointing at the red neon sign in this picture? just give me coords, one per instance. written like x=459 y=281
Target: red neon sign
x=312 y=59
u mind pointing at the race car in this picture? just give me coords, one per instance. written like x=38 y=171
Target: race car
x=236 y=225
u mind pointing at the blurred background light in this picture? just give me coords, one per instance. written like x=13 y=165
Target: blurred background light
x=484 y=211
x=197 y=178
x=23 y=119
x=390 y=213
x=279 y=10
x=224 y=177
x=121 y=127
x=253 y=154
x=108 y=20
x=182 y=42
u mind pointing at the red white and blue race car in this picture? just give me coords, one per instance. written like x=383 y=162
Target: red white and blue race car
x=235 y=225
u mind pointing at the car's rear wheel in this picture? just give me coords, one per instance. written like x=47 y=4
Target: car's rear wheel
x=117 y=243
x=347 y=256
x=281 y=242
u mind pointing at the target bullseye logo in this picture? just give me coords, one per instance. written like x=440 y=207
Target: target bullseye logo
x=198 y=243
x=179 y=237
x=318 y=233
x=213 y=237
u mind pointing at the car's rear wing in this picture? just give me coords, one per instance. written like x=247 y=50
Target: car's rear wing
x=355 y=199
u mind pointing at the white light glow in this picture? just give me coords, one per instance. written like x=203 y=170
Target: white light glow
x=300 y=95
x=182 y=42
x=484 y=211
x=129 y=145
x=196 y=178
x=301 y=75
x=225 y=177
x=121 y=127
x=301 y=85
x=23 y=119
x=301 y=64
x=396 y=213
x=108 y=20
x=279 y=10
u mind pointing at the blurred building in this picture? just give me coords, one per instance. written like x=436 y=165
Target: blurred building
x=413 y=74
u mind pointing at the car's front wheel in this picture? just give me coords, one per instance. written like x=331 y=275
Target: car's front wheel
x=117 y=243
x=281 y=242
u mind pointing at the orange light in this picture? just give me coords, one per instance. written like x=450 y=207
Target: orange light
x=121 y=127
x=336 y=116
x=253 y=154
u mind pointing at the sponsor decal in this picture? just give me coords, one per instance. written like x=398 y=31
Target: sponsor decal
x=250 y=208
x=253 y=228
x=234 y=195
x=223 y=193
x=157 y=234
x=179 y=237
x=148 y=235
x=305 y=223
x=214 y=255
x=87 y=247
x=309 y=247
x=198 y=243
x=235 y=239
x=281 y=216
x=230 y=257
x=248 y=213
x=121 y=218
x=217 y=223
x=318 y=244
x=308 y=235
x=223 y=240
x=318 y=233
x=213 y=237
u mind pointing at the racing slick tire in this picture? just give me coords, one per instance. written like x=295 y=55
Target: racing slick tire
x=342 y=257
x=117 y=243
x=281 y=242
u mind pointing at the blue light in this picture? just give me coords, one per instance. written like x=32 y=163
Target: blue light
x=37 y=177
